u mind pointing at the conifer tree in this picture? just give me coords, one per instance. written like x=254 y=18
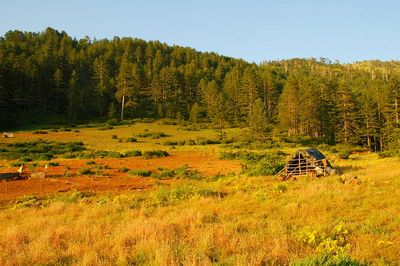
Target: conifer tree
x=257 y=120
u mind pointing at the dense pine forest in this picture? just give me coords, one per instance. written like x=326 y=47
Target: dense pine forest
x=51 y=74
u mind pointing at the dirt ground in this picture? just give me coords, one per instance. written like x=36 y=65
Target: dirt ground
x=65 y=177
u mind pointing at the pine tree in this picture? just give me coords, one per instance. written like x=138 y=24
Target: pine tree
x=72 y=95
x=257 y=120
x=348 y=115
x=234 y=95
x=194 y=113
x=59 y=82
x=101 y=83
x=289 y=108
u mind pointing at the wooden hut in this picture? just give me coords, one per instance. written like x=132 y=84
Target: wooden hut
x=307 y=162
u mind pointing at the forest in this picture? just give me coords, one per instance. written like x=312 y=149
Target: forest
x=51 y=74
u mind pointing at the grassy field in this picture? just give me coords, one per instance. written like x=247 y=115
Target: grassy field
x=224 y=219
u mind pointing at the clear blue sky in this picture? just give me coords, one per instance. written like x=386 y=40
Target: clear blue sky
x=344 y=30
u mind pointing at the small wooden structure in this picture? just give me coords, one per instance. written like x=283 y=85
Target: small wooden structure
x=307 y=162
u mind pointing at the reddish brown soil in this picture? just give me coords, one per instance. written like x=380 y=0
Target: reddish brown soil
x=112 y=180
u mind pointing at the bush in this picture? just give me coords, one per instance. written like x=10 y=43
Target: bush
x=170 y=143
x=164 y=174
x=133 y=153
x=53 y=163
x=86 y=171
x=90 y=162
x=257 y=164
x=40 y=150
x=41 y=132
x=204 y=141
x=26 y=159
x=28 y=201
x=114 y=136
x=16 y=164
x=281 y=188
x=106 y=128
x=123 y=170
x=344 y=154
x=113 y=122
x=184 y=172
x=155 y=154
x=103 y=154
x=168 y=123
x=154 y=135
x=140 y=172
x=131 y=139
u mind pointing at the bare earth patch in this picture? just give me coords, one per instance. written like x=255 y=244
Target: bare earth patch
x=112 y=179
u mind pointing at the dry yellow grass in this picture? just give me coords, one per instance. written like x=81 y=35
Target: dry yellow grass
x=233 y=220
x=97 y=139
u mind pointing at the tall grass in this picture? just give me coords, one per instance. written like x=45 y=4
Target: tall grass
x=232 y=220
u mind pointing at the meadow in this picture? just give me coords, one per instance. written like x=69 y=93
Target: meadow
x=213 y=200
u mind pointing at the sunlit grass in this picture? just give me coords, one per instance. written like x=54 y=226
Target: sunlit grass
x=226 y=220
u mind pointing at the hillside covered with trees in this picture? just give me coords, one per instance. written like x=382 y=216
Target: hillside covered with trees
x=52 y=74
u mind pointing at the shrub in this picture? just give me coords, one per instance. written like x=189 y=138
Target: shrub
x=164 y=174
x=266 y=166
x=155 y=154
x=131 y=139
x=257 y=163
x=281 y=188
x=90 y=162
x=45 y=157
x=133 y=153
x=204 y=141
x=41 y=132
x=28 y=201
x=168 y=123
x=113 y=122
x=123 y=170
x=184 y=172
x=114 y=136
x=344 y=154
x=26 y=159
x=106 y=128
x=103 y=154
x=154 y=135
x=170 y=143
x=86 y=171
x=53 y=163
x=140 y=172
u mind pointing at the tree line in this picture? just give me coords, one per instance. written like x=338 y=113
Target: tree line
x=50 y=73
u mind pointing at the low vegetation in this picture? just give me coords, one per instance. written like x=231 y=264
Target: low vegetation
x=189 y=218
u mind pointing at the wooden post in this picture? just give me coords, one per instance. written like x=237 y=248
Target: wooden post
x=299 y=167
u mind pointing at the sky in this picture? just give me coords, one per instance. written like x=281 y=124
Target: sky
x=343 y=30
